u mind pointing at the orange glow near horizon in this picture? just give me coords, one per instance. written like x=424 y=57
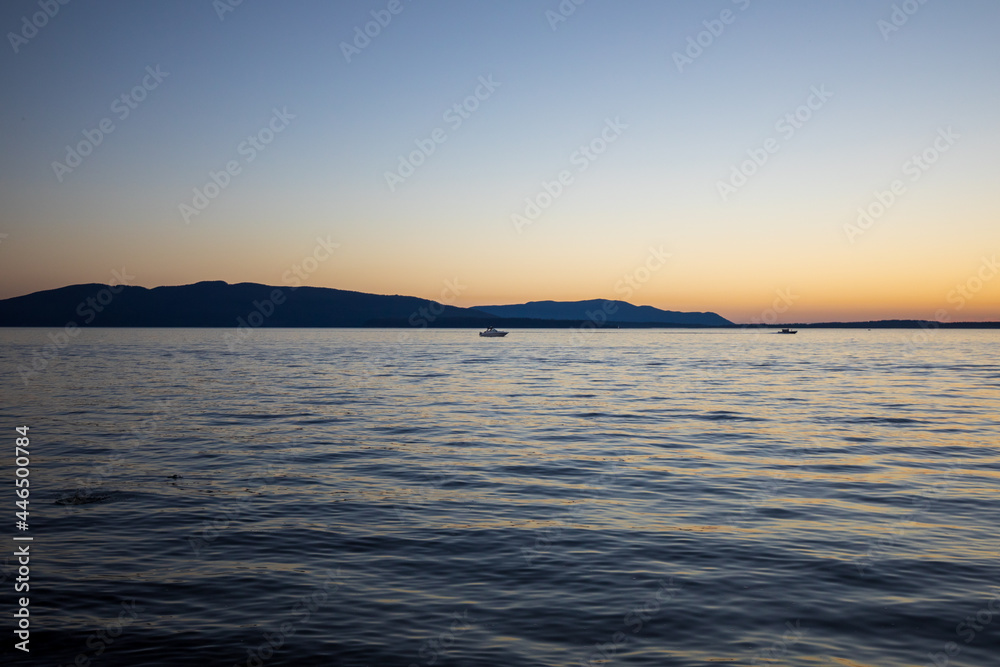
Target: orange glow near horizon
x=738 y=293
x=739 y=263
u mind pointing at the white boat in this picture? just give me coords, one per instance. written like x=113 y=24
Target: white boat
x=492 y=333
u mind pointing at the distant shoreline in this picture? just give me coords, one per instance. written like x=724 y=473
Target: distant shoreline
x=567 y=324
x=246 y=306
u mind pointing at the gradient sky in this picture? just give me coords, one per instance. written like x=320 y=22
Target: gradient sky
x=655 y=186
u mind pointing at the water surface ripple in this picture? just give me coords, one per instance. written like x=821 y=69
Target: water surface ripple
x=377 y=497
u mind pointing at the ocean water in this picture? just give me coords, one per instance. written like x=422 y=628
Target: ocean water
x=381 y=497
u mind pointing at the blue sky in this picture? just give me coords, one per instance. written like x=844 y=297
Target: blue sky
x=656 y=185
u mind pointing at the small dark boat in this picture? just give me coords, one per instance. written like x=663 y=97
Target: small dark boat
x=786 y=331
x=492 y=333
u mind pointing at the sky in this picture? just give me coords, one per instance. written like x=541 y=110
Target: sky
x=792 y=161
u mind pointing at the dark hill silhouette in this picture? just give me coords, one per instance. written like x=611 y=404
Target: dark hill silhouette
x=613 y=311
x=219 y=304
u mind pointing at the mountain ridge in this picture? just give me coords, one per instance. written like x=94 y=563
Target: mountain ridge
x=599 y=311
x=216 y=303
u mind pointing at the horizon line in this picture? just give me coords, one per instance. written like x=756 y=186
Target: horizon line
x=823 y=323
